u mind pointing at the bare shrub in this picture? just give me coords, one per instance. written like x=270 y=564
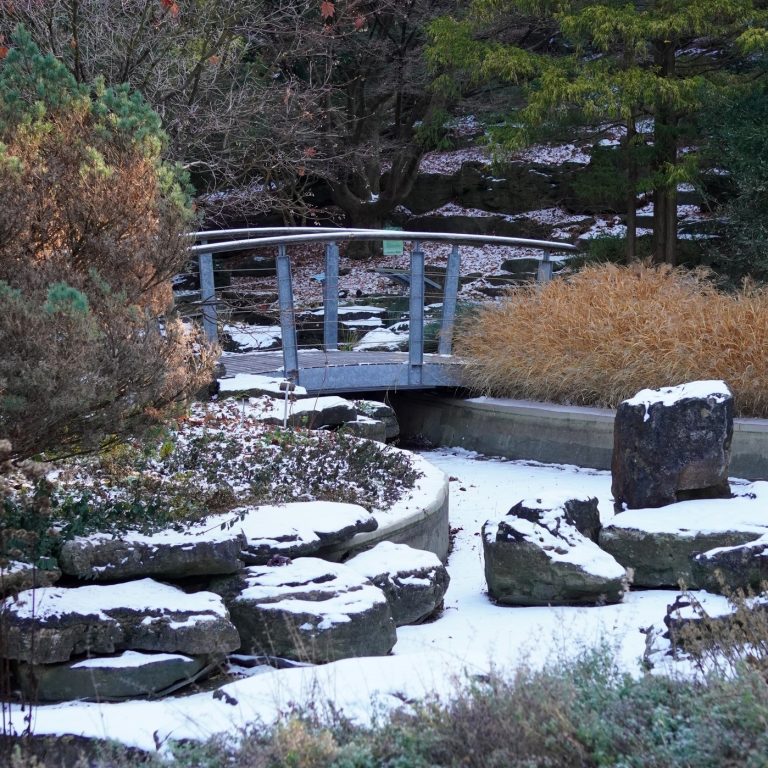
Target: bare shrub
x=606 y=332
x=723 y=644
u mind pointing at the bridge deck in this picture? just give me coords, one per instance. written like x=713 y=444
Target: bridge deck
x=321 y=371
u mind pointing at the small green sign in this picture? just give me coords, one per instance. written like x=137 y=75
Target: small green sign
x=393 y=247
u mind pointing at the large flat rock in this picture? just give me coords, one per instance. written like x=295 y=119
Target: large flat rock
x=414 y=581
x=54 y=624
x=660 y=545
x=379 y=411
x=110 y=678
x=218 y=546
x=308 y=610
x=295 y=529
x=201 y=550
x=310 y=412
x=741 y=567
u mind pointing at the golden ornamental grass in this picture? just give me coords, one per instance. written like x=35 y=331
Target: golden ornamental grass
x=602 y=334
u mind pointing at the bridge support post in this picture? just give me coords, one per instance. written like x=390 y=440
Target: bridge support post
x=208 y=295
x=450 y=296
x=331 y=298
x=287 y=317
x=544 y=272
x=416 y=324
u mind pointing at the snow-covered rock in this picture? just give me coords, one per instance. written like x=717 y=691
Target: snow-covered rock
x=256 y=385
x=109 y=678
x=252 y=338
x=542 y=559
x=370 y=429
x=311 y=412
x=308 y=610
x=17 y=576
x=382 y=340
x=413 y=581
x=200 y=550
x=671 y=444
x=294 y=529
x=661 y=547
x=380 y=411
x=582 y=514
x=54 y=624
x=741 y=567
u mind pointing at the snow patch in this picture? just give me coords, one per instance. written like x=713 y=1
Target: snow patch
x=707 y=390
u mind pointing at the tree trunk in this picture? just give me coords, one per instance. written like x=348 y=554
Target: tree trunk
x=362 y=210
x=631 y=191
x=365 y=217
x=665 y=146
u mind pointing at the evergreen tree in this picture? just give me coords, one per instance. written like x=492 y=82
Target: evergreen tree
x=91 y=224
x=738 y=142
x=612 y=60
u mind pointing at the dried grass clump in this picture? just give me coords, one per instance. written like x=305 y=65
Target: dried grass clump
x=606 y=332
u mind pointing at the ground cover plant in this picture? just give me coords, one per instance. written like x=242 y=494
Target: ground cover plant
x=602 y=334
x=576 y=713
x=218 y=457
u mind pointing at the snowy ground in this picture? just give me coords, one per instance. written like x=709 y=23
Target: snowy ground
x=469 y=638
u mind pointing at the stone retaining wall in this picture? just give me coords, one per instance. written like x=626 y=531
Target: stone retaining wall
x=520 y=429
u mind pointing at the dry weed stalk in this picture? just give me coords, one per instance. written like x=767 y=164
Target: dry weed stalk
x=725 y=645
x=606 y=332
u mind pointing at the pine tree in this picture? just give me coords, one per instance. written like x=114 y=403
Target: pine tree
x=612 y=60
x=91 y=225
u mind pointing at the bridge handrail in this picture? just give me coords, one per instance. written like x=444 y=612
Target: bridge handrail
x=331 y=235
x=212 y=234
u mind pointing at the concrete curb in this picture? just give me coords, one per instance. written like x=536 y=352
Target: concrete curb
x=560 y=434
x=420 y=520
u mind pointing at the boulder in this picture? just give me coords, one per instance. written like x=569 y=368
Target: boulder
x=350 y=313
x=295 y=529
x=371 y=429
x=741 y=567
x=414 y=581
x=262 y=392
x=542 y=559
x=662 y=549
x=110 y=678
x=697 y=621
x=661 y=559
x=381 y=411
x=53 y=624
x=17 y=576
x=312 y=412
x=382 y=340
x=492 y=224
x=672 y=444
x=200 y=550
x=582 y=514
x=308 y=610
x=521 y=267
x=515 y=188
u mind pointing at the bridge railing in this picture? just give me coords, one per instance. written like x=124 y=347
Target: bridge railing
x=215 y=242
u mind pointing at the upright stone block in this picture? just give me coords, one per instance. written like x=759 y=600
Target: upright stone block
x=672 y=444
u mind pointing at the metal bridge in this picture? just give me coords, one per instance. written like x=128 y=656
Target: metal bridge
x=331 y=369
